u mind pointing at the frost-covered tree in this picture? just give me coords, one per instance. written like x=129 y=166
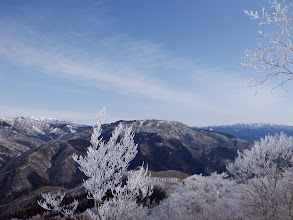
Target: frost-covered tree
x=264 y=175
x=274 y=52
x=105 y=166
x=126 y=200
x=271 y=156
x=199 y=197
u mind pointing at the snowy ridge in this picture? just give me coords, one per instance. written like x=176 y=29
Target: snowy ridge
x=253 y=131
x=169 y=129
x=41 y=125
x=250 y=125
x=19 y=134
x=50 y=120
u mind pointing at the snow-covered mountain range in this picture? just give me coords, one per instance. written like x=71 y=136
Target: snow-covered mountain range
x=251 y=132
x=36 y=154
x=20 y=134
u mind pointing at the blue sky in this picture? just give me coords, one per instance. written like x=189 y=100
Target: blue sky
x=161 y=59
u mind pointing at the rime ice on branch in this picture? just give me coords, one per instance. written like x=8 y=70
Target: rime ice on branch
x=273 y=54
x=105 y=164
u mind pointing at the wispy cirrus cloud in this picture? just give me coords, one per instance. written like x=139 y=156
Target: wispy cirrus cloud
x=126 y=76
x=146 y=71
x=119 y=65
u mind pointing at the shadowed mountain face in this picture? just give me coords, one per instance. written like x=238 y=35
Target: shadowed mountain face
x=167 y=145
x=38 y=153
x=44 y=156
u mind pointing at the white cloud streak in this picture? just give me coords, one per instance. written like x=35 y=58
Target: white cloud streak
x=121 y=77
x=141 y=69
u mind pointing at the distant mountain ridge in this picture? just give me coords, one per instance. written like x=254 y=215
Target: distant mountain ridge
x=251 y=132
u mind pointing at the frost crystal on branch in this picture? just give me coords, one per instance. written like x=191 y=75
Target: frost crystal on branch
x=53 y=203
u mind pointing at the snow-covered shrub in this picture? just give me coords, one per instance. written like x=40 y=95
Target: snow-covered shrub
x=260 y=187
x=270 y=157
x=198 y=197
x=265 y=178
